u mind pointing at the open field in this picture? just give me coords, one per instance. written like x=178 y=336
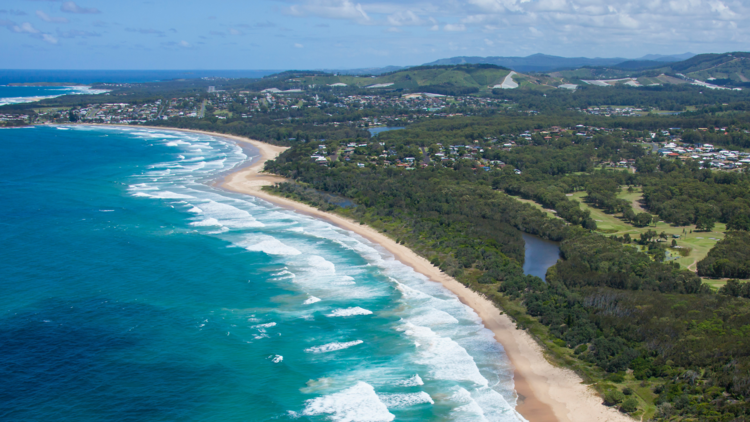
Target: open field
x=699 y=242
x=550 y=213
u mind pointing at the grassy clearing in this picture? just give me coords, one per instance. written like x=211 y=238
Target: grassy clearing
x=698 y=242
x=550 y=213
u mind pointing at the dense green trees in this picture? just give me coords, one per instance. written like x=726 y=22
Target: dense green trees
x=730 y=257
x=618 y=308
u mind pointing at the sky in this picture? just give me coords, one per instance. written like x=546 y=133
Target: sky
x=349 y=34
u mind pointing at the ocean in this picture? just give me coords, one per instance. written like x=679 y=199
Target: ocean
x=120 y=76
x=27 y=94
x=134 y=290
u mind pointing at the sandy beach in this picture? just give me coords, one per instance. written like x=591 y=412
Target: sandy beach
x=546 y=393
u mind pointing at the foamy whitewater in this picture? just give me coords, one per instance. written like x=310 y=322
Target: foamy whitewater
x=322 y=324
x=27 y=94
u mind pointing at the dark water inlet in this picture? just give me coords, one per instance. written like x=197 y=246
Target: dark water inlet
x=540 y=255
x=374 y=131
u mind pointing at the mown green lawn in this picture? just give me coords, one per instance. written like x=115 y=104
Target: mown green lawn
x=699 y=242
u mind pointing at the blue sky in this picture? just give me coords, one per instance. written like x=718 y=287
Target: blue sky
x=315 y=34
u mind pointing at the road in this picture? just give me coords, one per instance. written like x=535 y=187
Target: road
x=202 y=113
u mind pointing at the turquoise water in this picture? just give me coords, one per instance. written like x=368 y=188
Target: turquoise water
x=133 y=290
x=25 y=94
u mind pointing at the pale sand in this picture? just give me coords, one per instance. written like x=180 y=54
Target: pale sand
x=547 y=393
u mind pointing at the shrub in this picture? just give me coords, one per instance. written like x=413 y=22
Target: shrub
x=618 y=378
x=613 y=397
x=630 y=405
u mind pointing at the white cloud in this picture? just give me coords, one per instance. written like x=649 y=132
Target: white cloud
x=405 y=18
x=25 y=28
x=298 y=45
x=235 y=31
x=47 y=18
x=49 y=38
x=335 y=9
x=488 y=42
x=185 y=44
x=451 y=27
x=495 y=6
x=71 y=7
x=722 y=9
x=28 y=29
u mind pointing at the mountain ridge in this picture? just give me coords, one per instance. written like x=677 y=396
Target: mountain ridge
x=543 y=63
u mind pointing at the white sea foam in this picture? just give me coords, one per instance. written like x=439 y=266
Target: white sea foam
x=106 y=210
x=432 y=317
x=359 y=403
x=266 y=325
x=469 y=409
x=444 y=330
x=206 y=223
x=229 y=215
x=349 y=312
x=321 y=265
x=446 y=359
x=276 y=358
x=176 y=143
x=164 y=195
x=405 y=400
x=411 y=382
x=332 y=347
x=269 y=245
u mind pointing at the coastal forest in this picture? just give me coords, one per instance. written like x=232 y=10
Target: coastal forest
x=650 y=334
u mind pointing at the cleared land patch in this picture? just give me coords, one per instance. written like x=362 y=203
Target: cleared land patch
x=698 y=242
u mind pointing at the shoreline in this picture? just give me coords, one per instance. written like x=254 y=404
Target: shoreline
x=546 y=393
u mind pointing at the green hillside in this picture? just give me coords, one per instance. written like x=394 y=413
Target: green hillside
x=462 y=79
x=734 y=67
x=728 y=69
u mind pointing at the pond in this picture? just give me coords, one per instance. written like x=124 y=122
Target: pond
x=375 y=130
x=540 y=255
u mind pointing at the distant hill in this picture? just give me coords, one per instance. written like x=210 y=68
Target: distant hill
x=533 y=63
x=639 y=64
x=546 y=63
x=663 y=58
x=446 y=80
x=366 y=70
x=727 y=69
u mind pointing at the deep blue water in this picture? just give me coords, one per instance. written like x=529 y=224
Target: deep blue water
x=540 y=254
x=132 y=290
x=119 y=76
